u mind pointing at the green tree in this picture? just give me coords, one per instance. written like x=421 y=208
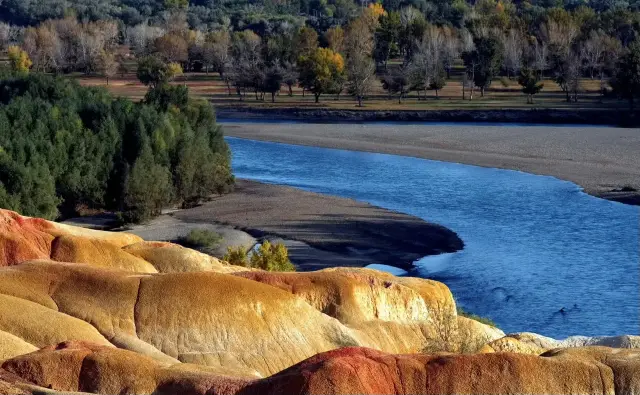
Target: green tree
x=438 y=81
x=321 y=71
x=626 y=81
x=484 y=61
x=530 y=83
x=153 y=71
x=148 y=188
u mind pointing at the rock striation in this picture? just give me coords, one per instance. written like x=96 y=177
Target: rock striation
x=99 y=312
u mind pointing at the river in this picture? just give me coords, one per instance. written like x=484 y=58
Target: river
x=533 y=244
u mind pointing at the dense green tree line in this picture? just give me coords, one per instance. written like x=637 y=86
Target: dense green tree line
x=63 y=146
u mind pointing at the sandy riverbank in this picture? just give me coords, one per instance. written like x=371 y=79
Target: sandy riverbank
x=600 y=159
x=320 y=231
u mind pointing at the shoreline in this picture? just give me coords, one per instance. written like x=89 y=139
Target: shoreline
x=325 y=231
x=534 y=116
x=320 y=231
x=601 y=160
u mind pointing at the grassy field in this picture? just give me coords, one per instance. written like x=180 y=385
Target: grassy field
x=503 y=94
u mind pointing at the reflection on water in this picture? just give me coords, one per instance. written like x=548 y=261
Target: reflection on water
x=533 y=244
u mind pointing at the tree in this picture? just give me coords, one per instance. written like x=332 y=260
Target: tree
x=450 y=49
x=626 y=81
x=172 y=48
x=398 y=82
x=153 y=71
x=529 y=81
x=386 y=37
x=305 y=42
x=483 y=62
x=360 y=75
x=18 y=59
x=273 y=81
x=320 y=71
x=438 y=81
x=513 y=44
x=335 y=39
x=107 y=65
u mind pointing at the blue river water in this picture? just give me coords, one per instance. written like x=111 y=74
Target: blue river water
x=533 y=244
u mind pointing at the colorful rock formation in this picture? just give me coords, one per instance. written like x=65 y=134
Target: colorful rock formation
x=108 y=313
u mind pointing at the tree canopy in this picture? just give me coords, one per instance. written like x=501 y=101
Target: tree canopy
x=65 y=146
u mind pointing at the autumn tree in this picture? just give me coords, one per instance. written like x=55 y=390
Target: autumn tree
x=172 y=48
x=18 y=59
x=530 y=82
x=107 y=64
x=305 y=42
x=335 y=38
x=216 y=51
x=320 y=71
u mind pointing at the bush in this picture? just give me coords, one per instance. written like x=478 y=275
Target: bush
x=272 y=258
x=269 y=257
x=201 y=238
x=236 y=256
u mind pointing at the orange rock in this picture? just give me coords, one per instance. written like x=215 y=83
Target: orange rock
x=366 y=371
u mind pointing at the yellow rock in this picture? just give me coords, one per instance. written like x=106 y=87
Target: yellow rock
x=173 y=258
x=41 y=326
x=11 y=346
x=97 y=252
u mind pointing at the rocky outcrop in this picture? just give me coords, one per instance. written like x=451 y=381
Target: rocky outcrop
x=108 y=313
x=85 y=367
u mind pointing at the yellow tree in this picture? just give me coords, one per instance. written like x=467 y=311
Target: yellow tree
x=321 y=72
x=19 y=59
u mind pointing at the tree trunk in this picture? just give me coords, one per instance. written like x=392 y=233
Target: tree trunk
x=464 y=87
x=303 y=91
x=471 y=94
x=482 y=91
x=437 y=94
x=568 y=97
x=448 y=73
x=317 y=95
x=273 y=97
x=290 y=90
x=359 y=101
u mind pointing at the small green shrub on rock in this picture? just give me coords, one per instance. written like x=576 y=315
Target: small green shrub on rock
x=272 y=258
x=269 y=257
x=201 y=238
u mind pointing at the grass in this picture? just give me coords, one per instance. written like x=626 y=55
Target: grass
x=484 y=320
x=201 y=238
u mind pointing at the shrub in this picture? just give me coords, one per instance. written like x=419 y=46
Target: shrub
x=444 y=332
x=272 y=257
x=236 y=256
x=201 y=238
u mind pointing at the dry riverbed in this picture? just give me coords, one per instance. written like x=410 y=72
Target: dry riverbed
x=600 y=159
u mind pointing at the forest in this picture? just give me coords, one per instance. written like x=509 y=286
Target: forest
x=67 y=148
x=337 y=46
